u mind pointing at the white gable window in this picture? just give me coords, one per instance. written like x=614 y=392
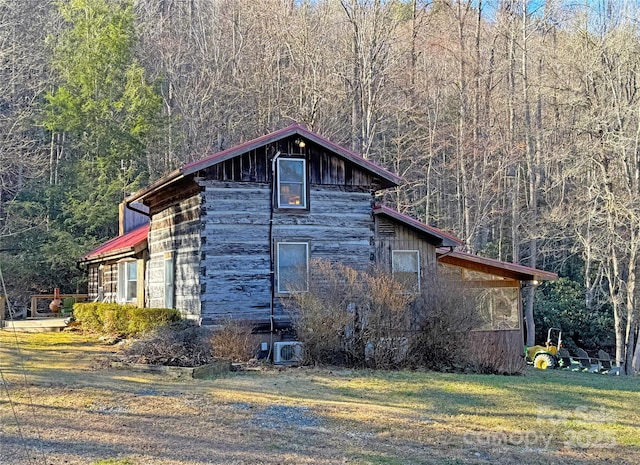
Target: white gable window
x=127 y=281
x=405 y=266
x=293 y=267
x=292 y=183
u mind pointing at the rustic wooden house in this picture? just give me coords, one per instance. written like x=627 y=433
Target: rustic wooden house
x=231 y=233
x=228 y=236
x=116 y=268
x=417 y=252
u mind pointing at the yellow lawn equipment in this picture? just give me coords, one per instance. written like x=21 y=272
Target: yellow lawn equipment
x=543 y=357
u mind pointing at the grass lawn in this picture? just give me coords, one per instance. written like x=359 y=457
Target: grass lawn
x=57 y=407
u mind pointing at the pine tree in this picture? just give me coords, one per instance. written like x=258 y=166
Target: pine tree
x=105 y=109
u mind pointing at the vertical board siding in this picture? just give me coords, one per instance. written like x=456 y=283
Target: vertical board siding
x=500 y=351
x=325 y=167
x=237 y=245
x=392 y=236
x=176 y=230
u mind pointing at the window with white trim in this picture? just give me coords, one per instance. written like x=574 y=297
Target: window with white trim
x=292 y=183
x=405 y=267
x=127 y=281
x=292 y=267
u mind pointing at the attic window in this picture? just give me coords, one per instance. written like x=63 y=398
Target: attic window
x=292 y=183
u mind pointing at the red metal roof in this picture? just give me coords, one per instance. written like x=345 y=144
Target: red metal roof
x=447 y=240
x=496 y=267
x=127 y=243
x=388 y=178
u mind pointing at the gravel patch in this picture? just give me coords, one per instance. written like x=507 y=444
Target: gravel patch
x=279 y=416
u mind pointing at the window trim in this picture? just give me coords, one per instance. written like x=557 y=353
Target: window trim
x=305 y=203
x=418 y=271
x=124 y=283
x=278 y=280
x=169 y=288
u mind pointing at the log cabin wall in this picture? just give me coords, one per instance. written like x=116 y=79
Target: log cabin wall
x=237 y=238
x=175 y=236
x=110 y=282
x=338 y=227
x=236 y=249
x=103 y=281
x=92 y=282
x=235 y=270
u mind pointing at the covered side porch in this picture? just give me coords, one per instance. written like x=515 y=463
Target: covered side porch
x=497 y=288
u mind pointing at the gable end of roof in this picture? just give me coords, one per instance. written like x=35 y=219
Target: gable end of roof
x=387 y=178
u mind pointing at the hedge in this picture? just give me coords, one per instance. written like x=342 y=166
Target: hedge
x=122 y=320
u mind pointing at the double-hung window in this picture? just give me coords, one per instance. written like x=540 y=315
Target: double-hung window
x=405 y=266
x=293 y=267
x=127 y=281
x=292 y=183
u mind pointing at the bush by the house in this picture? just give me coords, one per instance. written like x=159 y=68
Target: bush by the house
x=234 y=341
x=122 y=320
x=445 y=315
x=181 y=344
x=369 y=319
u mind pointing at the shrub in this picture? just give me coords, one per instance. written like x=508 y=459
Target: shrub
x=368 y=319
x=234 y=341
x=351 y=318
x=323 y=317
x=563 y=304
x=181 y=344
x=122 y=320
x=445 y=317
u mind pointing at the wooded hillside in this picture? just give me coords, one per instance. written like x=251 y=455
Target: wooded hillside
x=516 y=124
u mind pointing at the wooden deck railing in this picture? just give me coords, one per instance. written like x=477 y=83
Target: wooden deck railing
x=38 y=297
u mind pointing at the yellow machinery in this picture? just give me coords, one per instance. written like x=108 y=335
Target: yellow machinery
x=543 y=357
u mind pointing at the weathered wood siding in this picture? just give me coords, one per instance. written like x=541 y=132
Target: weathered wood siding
x=109 y=283
x=235 y=251
x=176 y=231
x=498 y=351
x=92 y=282
x=238 y=239
x=338 y=227
x=325 y=168
x=392 y=236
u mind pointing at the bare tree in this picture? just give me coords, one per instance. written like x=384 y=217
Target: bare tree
x=24 y=77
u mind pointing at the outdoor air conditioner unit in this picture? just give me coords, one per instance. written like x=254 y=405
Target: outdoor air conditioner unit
x=287 y=353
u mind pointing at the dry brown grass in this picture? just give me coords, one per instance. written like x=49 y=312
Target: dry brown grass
x=71 y=413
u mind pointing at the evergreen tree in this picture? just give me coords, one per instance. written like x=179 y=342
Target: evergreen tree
x=106 y=111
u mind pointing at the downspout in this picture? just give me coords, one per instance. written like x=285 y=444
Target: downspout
x=450 y=251
x=272 y=273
